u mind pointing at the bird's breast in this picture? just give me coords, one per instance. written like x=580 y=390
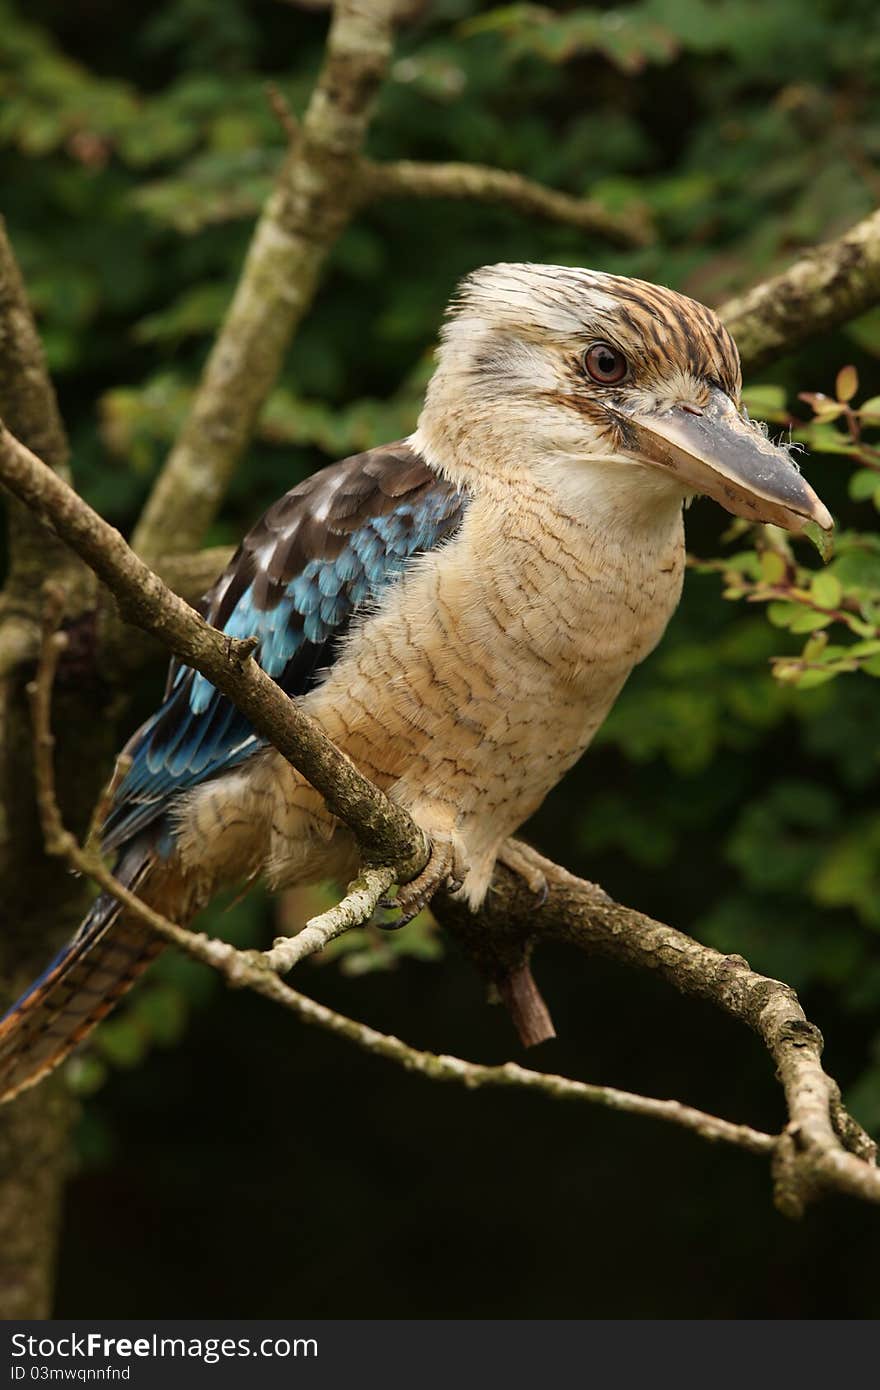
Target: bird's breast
x=510 y=643
x=582 y=602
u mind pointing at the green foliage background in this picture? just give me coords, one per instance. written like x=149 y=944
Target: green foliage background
x=136 y=143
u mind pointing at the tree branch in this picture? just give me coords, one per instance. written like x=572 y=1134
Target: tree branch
x=310 y=205
x=28 y=402
x=360 y=902
x=27 y=398
x=830 y=285
x=822 y=1148
x=322 y=181
x=406 y=178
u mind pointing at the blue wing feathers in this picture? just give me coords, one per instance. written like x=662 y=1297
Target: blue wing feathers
x=323 y=550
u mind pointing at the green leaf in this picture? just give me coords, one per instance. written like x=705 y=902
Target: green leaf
x=808 y=680
x=826 y=590
x=815 y=648
x=863 y=484
x=808 y=621
x=847 y=383
x=162 y=1011
x=865 y=331
x=782 y=614
x=772 y=567
x=858 y=563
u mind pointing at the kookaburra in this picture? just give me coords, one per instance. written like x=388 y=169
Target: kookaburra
x=458 y=611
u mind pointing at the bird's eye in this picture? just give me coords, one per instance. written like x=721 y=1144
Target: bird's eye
x=605 y=364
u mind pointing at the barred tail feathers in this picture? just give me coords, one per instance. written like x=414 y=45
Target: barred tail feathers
x=79 y=987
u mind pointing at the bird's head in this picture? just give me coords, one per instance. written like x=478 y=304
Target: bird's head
x=555 y=368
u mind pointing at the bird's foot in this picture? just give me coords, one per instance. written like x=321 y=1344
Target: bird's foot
x=446 y=868
x=515 y=856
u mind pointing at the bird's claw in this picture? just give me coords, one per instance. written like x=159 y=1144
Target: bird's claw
x=444 y=869
x=541 y=890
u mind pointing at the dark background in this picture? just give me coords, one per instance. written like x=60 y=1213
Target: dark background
x=229 y=1161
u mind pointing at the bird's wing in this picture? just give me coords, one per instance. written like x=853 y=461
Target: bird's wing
x=320 y=552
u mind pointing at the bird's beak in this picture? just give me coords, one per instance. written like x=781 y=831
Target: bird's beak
x=718 y=452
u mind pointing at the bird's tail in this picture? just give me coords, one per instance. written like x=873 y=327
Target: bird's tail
x=80 y=986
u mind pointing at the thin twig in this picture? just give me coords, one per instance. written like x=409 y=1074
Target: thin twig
x=406 y=178
x=281 y=110
x=353 y=910
x=40 y=694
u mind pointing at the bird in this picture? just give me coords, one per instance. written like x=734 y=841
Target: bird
x=458 y=611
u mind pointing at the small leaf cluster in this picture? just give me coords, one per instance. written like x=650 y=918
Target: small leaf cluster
x=836 y=609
